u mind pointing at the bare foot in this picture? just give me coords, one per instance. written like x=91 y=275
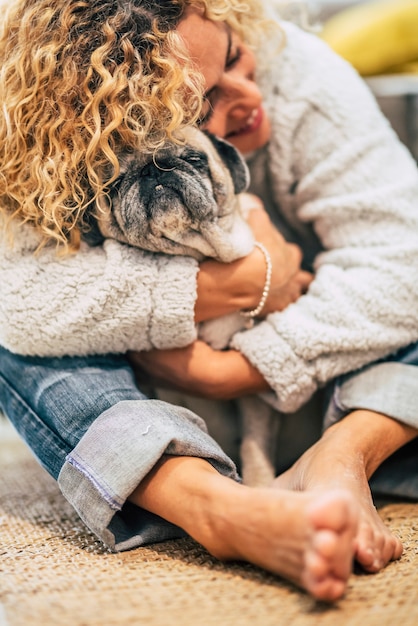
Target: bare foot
x=333 y=462
x=306 y=538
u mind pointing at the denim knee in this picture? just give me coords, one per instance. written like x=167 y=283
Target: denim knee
x=388 y=386
x=53 y=401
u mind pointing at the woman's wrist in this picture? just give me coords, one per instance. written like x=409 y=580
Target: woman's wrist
x=250 y=315
x=224 y=288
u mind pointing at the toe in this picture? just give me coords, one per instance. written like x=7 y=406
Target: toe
x=365 y=553
x=328 y=590
x=376 y=547
x=317 y=568
x=392 y=549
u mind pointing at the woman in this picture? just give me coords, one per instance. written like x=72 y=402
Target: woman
x=84 y=81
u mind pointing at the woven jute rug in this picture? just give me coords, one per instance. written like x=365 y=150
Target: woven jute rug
x=53 y=571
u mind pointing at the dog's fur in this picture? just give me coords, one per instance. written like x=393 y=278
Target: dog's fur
x=186 y=201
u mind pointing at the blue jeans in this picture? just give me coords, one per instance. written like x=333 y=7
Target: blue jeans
x=99 y=436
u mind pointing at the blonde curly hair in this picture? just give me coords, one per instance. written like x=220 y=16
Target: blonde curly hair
x=82 y=80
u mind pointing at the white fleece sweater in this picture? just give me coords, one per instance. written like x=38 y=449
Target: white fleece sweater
x=109 y=298
x=338 y=181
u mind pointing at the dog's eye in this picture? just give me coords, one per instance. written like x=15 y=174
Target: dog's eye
x=195 y=156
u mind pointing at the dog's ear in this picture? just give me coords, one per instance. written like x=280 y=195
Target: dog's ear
x=234 y=162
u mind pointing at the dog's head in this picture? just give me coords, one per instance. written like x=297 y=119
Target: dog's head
x=183 y=200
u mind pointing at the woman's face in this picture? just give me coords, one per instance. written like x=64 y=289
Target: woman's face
x=233 y=103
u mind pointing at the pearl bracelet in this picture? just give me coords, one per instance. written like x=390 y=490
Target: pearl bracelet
x=269 y=268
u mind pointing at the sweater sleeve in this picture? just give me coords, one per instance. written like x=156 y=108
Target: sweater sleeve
x=336 y=166
x=102 y=299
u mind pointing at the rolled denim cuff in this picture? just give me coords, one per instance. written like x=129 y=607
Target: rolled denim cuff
x=390 y=388
x=117 y=452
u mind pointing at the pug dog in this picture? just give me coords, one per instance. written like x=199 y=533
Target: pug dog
x=185 y=200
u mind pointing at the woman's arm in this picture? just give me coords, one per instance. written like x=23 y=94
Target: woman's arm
x=114 y=297
x=226 y=288
x=102 y=299
x=199 y=370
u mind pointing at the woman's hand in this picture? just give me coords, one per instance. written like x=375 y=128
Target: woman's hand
x=288 y=280
x=227 y=287
x=198 y=370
